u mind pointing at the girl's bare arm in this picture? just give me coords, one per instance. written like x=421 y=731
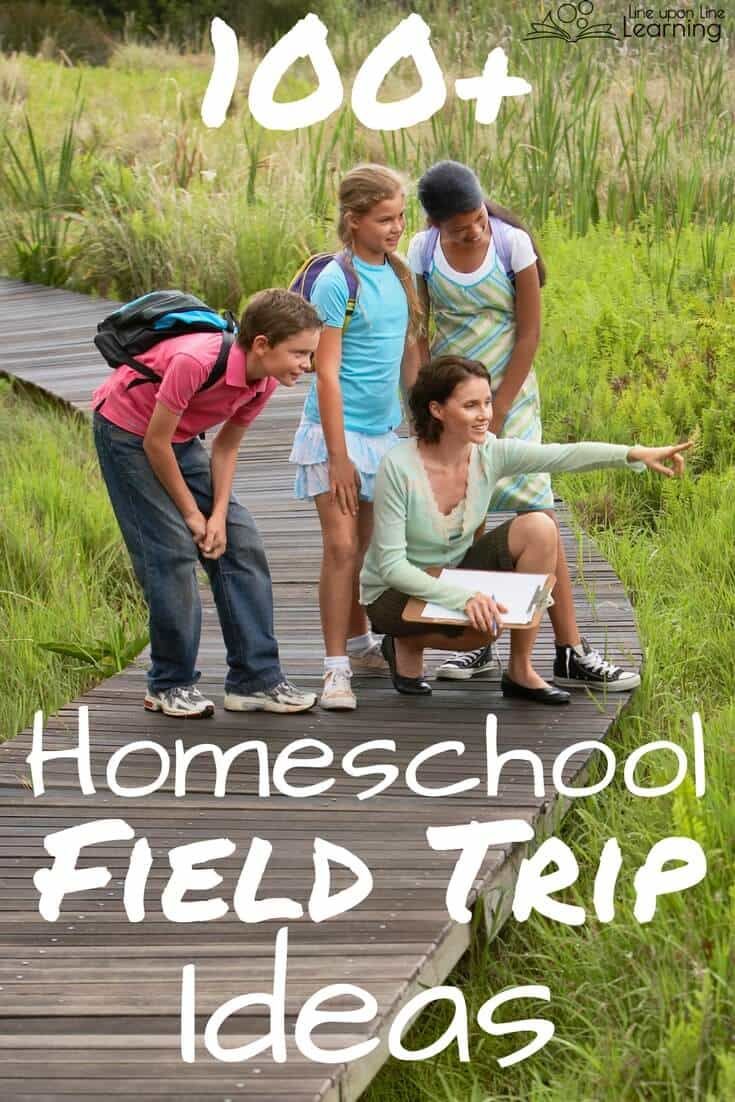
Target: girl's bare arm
x=342 y=474
x=528 y=331
x=422 y=341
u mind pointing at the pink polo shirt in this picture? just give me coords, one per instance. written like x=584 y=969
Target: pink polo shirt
x=184 y=363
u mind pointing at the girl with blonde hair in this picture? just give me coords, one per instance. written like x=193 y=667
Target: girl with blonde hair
x=366 y=350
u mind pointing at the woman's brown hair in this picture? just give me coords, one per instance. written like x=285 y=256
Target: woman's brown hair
x=436 y=382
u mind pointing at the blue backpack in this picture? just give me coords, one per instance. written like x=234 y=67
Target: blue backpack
x=139 y=325
x=501 y=240
x=303 y=282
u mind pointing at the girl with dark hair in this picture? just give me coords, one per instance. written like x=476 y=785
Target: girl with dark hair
x=431 y=496
x=352 y=409
x=478 y=269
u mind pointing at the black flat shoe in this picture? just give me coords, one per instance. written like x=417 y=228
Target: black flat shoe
x=412 y=686
x=549 y=695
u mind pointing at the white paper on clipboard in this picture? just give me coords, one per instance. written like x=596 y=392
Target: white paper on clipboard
x=515 y=591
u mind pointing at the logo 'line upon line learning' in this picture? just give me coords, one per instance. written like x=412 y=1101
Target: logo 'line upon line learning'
x=570 y=22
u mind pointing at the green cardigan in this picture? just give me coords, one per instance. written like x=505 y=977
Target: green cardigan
x=411 y=533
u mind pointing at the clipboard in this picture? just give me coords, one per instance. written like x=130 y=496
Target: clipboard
x=540 y=601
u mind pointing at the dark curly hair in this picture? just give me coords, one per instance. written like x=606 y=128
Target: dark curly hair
x=435 y=383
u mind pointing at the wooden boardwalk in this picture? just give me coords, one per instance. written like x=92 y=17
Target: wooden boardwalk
x=89 y=1005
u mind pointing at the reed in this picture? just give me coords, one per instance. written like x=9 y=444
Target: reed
x=322 y=161
x=43 y=204
x=582 y=149
x=546 y=132
x=253 y=136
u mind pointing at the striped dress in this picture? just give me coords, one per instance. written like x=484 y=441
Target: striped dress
x=477 y=320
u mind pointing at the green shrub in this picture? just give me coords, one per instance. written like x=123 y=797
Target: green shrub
x=184 y=20
x=55 y=30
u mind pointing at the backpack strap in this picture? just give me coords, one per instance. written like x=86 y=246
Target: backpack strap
x=427 y=251
x=501 y=239
x=298 y=283
x=218 y=369
x=220 y=364
x=303 y=281
x=141 y=368
x=352 y=286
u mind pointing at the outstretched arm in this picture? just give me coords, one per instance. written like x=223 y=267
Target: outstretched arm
x=516 y=457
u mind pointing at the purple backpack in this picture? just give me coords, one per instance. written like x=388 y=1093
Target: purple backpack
x=303 y=282
x=501 y=240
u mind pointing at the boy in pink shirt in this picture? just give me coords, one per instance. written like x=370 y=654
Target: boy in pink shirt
x=175 y=506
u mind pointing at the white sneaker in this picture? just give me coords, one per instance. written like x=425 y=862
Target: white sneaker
x=183 y=702
x=484 y=663
x=371 y=659
x=283 y=697
x=337 y=692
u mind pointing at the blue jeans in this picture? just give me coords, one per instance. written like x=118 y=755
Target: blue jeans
x=165 y=558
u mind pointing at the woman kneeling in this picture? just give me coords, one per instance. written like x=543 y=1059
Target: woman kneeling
x=431 y=499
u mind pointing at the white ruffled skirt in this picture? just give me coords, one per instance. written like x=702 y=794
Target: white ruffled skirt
x=309 y=453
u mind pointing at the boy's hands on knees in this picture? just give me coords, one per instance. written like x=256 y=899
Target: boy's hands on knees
x=214 y=542
x=210 y=536
x=196 y=522
x=484 y=614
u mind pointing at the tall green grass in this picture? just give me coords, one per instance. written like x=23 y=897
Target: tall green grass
x=640 y=137
x=641 y=1012
x=42 y=206
x=66 y=578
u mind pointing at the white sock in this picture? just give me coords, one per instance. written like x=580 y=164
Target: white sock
x=360 y=644
x=341 y=662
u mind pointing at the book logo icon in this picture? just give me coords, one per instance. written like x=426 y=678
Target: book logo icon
x=570 y=22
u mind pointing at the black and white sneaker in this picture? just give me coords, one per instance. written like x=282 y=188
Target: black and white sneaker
x=483 y=663
x=182 y=702
x=581 y=667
